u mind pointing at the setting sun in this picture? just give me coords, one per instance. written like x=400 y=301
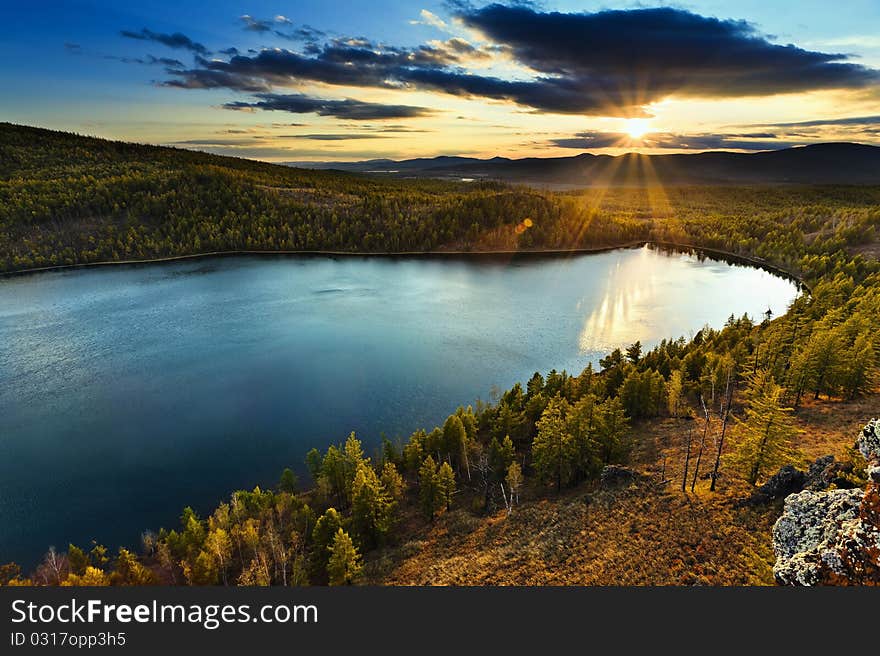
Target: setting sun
x=637 y=127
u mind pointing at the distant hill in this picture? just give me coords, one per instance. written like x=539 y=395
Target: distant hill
x=827 y=163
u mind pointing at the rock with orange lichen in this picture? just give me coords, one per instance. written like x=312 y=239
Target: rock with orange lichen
x=833 y=538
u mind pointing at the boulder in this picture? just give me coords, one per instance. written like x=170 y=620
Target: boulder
x=787 y=480
x=616 y=476
x=806 y=535
x=833 y=537
x=825 y=472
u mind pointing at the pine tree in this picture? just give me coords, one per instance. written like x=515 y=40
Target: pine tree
x=393 y=482
x=445 y=485
x=344 y=563
x=612 y=427
x=674 y=393
x=860 y=368
x=288 y=482
x=763 y=437
x=581 y=422
x=370 y=508
x=455 y=439
x=552 y=448
x=429 y=495
x=322 y=537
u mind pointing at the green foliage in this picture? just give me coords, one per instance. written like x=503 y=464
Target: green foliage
x=67 y=199
x=445 y=484
x=553 y=448
x=288 y=482
x=344 y=563
x=764 y=436
x=322 y=538
x=430 y=491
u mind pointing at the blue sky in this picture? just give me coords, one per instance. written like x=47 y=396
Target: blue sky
x=494 y=80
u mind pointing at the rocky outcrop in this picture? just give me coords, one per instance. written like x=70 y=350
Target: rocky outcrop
x=787 y=480
x=823 y=473
x=833 y=537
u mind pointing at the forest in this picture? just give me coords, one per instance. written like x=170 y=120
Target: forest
x=732 y=394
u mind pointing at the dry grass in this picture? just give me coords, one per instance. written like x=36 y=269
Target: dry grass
x=648 y=534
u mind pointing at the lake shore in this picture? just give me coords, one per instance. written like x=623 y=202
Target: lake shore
x=547 y=252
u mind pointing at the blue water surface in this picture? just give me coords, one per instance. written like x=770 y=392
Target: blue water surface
x=129 y=392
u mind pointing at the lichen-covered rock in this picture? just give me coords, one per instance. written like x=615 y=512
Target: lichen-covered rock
x=869 y=444
x=825 y=472
x=806 y=534
x=833 y=537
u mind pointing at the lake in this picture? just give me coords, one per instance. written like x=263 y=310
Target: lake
x=129 y=392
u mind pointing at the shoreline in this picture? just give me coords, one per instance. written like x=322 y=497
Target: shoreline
x=550 y=252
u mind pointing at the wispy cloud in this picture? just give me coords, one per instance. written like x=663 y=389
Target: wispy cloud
x=176 y=40
x=356 y=110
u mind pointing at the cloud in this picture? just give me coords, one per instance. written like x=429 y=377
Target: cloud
x=331 y=137
x=349 y=108
x=643 y=55
x=176 y=40
x=263 y=25
x=149 y=60
x=429 y=18
x=609 y=63
x=210 y=79
x=822 y=122
x=666 y=140
x=305 y=33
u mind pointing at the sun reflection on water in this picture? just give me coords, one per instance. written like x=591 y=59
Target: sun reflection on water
x=624 y=313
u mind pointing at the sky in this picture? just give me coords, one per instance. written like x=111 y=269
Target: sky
x=318 y=80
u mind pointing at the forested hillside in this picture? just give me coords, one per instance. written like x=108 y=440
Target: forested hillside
x=679 y=435
x=66 y=199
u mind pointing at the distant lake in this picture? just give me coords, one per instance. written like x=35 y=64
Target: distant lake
x=129 y=392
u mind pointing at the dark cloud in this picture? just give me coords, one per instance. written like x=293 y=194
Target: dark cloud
x=592 y=139
x=331 y=137
x=851 y=120
x=611 y=62
x=254 y=25
x=201 y=78
x=248 y=141
x=349 y=108
x=646 y=54
x=176 y=40
x=149 y=60
x=304 y=33
x=667 y=140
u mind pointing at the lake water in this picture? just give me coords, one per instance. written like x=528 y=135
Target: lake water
x=129 y=392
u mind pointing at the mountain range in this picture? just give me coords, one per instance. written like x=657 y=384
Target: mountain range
x=825 y=163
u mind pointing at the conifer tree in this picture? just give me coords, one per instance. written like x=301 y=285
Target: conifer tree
x=765 y=434
x=612 y=427
x=552 y=448
x=344 y=563
x=445 y=485
x=370 y=508
x=322 y=537
x=860 y=369
x=455 y=439
x=429 y=494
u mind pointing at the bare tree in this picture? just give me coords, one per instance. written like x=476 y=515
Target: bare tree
x=687 y=459
x=702 y=444
x=725 y=414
